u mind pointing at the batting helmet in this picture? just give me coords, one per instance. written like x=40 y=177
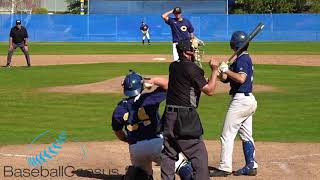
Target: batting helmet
x=132 y=84
x=237 y=39
x=177 y=10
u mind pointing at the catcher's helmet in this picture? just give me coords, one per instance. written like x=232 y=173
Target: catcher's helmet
x=237 y=39
x=177 y=10
x=132 y=84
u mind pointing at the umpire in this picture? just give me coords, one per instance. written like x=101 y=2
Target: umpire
x=182 y=129
x=18 y=38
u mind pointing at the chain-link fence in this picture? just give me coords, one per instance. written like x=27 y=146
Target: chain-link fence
x=147 y=7
x=18 y=6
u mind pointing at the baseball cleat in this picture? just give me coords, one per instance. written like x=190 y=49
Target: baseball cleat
x=7 y=66
x=246 y=171
x=218 y=173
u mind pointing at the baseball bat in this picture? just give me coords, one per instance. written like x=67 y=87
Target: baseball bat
x=250 y=37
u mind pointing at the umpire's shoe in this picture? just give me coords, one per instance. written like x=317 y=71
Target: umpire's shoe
x=218 y=173
x=246 y=171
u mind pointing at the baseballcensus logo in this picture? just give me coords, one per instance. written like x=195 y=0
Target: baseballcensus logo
x=41 y=156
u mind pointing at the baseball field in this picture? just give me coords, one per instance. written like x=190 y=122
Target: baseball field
x=74 y=87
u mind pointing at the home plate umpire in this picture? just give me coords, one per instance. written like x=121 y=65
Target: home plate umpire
x=181 y=122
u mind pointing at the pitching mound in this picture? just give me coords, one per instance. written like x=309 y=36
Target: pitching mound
x=107 y=159
x=114 y=86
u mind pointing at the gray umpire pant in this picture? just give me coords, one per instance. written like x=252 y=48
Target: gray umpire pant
x=193 y=148
x=11 y=51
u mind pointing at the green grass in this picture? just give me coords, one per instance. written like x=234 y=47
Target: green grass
x=290 y=115
x=272 y=48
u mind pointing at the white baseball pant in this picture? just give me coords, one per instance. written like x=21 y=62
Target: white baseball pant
x=146 y=35
x=238 y=119
x=175 y=52
x=143 y=153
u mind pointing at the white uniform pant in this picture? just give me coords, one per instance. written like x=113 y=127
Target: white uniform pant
x=145 y=35
x=238 y=119
x=175 y=52
x=143 y=153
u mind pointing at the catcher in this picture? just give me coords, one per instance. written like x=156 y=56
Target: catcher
x=144 y=28
x=136 y=121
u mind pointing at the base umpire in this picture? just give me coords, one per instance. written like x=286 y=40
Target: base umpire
x=18 y=38
x=182 y=129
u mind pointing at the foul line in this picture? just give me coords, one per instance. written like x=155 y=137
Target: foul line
x=295 y=157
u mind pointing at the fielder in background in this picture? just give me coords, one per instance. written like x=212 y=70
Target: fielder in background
x=144 y=28
x=181 y=28
x=182 y=129
x=241 y=108
x=136 y=120
x=18 y=38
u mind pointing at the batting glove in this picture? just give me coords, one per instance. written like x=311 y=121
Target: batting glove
x=223 y=67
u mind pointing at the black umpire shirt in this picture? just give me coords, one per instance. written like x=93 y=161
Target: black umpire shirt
x=186 y=80
x=18 y=35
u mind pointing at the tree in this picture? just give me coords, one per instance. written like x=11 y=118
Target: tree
x=274 y=6
x=314 y=6
x=74 y=6
x=266 y=6
x=39 y=10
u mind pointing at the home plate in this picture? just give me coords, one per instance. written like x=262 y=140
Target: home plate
x=159 y=59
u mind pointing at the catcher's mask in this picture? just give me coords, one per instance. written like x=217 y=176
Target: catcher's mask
x=132 y=84
x=185 y=46
x=237 y=39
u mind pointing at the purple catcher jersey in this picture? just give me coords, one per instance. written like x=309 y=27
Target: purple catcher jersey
x=140 y=117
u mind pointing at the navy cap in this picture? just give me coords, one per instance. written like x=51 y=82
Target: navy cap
x=18 y=22
x=177 y=10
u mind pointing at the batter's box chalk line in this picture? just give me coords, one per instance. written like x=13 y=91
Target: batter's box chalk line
x=159 y=59
x=14 y=155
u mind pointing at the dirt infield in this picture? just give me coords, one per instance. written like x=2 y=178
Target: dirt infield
x=276 y=160
x=42 y=60
x=114 y=86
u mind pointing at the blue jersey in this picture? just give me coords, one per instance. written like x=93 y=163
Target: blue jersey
x=144 y=27
x=140 y=117
x=242 y=64
x=180 y=29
